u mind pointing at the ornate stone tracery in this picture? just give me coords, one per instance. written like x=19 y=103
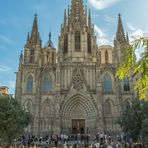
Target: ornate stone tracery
x=77 y=80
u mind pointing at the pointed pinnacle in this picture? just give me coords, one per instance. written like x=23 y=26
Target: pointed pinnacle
x=65 y=21
x=120 y=31
x=127 y=38
x=49 y=36
x=35 y=37
x=89 y=19
x=28 y=37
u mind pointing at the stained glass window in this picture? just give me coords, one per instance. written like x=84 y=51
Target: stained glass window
x=107 y=83
x=30 y=84
x=46 y=85
x=77 y=41
x=126 y=84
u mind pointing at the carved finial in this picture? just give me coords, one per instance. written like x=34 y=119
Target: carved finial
x=28 y=37
x=127 y=38
x=21 y=59
x=49 y=36
x=89 y=19
x=50 y=44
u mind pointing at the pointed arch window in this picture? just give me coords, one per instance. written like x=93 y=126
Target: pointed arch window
x=100 y=57
x=77 y=41
x=106 y=56
x=126 y=84
x=107 y=107
x=31 y=55
x=28 y=105
x=53 y=57
x=89 y=43
x=46 y=87
x=107 y=83
x=127 y=105
x=30 y=84
x=66 y=43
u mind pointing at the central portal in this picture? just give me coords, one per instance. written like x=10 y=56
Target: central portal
x=78 y=126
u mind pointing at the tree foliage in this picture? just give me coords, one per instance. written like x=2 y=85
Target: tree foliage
x=132 y=65
x=134 y=119
x=13 y=118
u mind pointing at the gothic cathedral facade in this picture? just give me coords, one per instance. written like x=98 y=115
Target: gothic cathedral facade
x=73 y=89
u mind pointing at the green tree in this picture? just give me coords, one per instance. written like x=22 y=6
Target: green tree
x=132 y=65
x=13 y=118
x=133 y=119
x=144 y=130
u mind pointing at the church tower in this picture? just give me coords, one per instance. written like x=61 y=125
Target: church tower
x=77 y=41
x=121 y=42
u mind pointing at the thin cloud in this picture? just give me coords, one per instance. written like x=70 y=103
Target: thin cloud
x=135 y=32
x=6 y=39
x=101 y=36
x=11 y=86
x=109 y=19
x=102 y=4
x=131 y=26
x=4 y=68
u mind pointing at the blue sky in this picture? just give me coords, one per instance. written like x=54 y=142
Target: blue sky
x=16 y=18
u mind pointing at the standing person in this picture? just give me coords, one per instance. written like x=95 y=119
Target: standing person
x=32 y=145
x=97 y=137
x=101 y=138
x=20 y=146
x=97 y=145
x=65 y=145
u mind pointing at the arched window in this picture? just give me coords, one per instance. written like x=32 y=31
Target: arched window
x=77 y=41
x=106 y=56
x=53 y=57
x=107 y=83
x=89 y=43
x=30 y=84
x=31 y=55
x=28 y=105
x=66 y=43
x=107 y=108
x=46 y=107
x=46 y=85
x=126 y=84
x=127 y=105
x=100 y=57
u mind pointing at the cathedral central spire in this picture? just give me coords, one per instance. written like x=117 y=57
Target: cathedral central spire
x=77 y=14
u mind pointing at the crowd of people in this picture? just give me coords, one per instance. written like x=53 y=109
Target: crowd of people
x=99 y=140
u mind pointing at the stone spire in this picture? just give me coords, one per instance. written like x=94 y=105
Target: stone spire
x=77 y=14
x=85 y=15
x=65 y=21
x=120 y=36
x=89 y=20
x=127 y=38
x=21 y=59
x=35 y=37
x=28 y=38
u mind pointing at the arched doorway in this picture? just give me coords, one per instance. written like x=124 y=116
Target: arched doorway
x=78 y=114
